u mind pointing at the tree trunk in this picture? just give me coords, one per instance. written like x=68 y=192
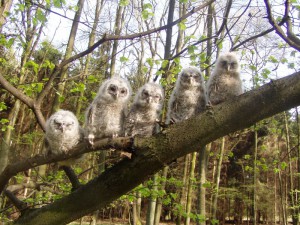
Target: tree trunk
x=182 y=192
x=190 y=188
x=118 y=28
x=169 y=29
x=159 y=199
x=6 y=143
x=63 y=73
x=92 y=38
x=292 y=191
x=217 y=181
x=179 y=42
x=4 y=8
x=203 y=161
x=254 y=210
x=152 y=202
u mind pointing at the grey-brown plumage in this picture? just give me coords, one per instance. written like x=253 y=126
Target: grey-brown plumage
x=62 y=134
x=225 y=81
x=105 y=116
x=188 y=97
x=145 y=111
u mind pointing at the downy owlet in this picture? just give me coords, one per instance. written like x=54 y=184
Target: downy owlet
x=105 y=115
x=188 y=97
x=145 y=111
x=62 y=134
x=225 y=81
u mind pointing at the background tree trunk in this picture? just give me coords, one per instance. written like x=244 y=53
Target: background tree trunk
x=190 y=188
x=68 y=53
x=217 y=181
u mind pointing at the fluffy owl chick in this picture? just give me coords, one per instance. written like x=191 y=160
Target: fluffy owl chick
x=188 y=97
x=62 y=134
x=145 y=110
x=105 y=116
x=225 y=81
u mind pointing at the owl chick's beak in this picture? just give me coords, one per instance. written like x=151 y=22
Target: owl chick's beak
x=62 y=127
x=116 y=95
x=149 y=100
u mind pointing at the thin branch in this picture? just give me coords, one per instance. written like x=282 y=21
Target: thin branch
x=107 y=37
x=56 y=13
x=37 y=160
x=252 y=38
x=72 y=177
x=20 y=205
x=15 y=92
x=290 y=38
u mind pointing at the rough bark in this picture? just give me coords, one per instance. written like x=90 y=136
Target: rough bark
x=153 y=153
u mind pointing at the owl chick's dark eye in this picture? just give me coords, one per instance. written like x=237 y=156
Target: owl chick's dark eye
x=224 y=63
x=113 y=88
x=145 y=93
x=123 y=91
x=56 y=122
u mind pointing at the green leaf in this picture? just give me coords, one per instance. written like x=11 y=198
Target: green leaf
x=149 y=61
x=48 y=64
x=191 y=49
x=164 y=63
x=283 y=165
x=39 y=87
x=57 y=3
x=207 y=185
x=247 y=156
x=92 y=79
x=252 y=67
x=40 y=16
x=4 y=121
x=2 y=106
x=33 y=65
x=265 y=73
x=147 y=6
x=291 y=65
x=124 y=3
x=21 y=7
x=123 y=59
x=182 y=25
x=272 y=59
x=10 y=42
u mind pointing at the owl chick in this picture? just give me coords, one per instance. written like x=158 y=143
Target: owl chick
x=105 y=116
x=145 y=110
x=188 y=97
x=62 y=134
x=225 y=81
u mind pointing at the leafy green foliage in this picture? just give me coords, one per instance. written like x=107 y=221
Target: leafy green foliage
x=5 y=124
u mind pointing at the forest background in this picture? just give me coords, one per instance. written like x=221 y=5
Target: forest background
x=55 y=54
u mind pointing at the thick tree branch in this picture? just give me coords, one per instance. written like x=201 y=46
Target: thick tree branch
x=153 y=153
